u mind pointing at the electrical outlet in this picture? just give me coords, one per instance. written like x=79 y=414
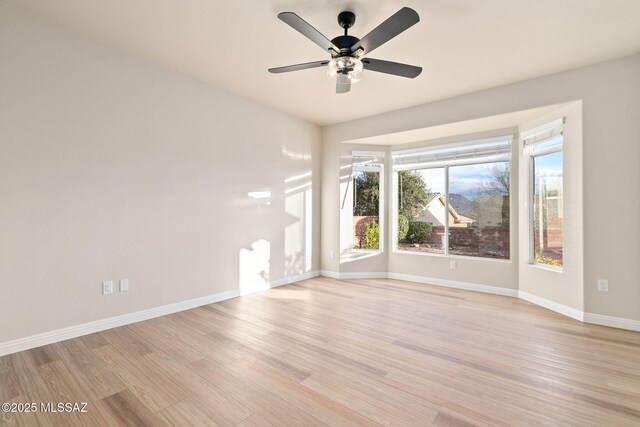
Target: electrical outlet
x=603 y=285
x=453 y=265
x=107 y=287
x=333 y=254
x=124 y=285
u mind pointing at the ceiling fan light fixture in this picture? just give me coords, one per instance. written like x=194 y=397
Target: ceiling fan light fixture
x=348 y=65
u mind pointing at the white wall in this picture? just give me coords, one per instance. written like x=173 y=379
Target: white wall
x=610 y=95
x=112 y=167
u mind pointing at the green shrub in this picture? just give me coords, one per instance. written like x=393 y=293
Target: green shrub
x=361 y=230
x=419 y=231
x=372 y=236
x=403 y=227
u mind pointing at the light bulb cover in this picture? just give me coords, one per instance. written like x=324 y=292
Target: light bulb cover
x=348 y=65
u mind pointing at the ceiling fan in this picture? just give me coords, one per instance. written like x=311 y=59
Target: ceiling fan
x=347 y=52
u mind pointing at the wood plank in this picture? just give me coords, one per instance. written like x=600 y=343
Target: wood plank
x=125 y=409
x=326 y=410
x=96 y=378
x=258 y=399
x=64 y=387
x=224 y=408
x=186 y=413
x=254 y=420
x=152 y=389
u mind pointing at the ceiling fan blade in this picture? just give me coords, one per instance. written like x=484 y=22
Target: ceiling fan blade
x=343 y=83
x=397 y=23
x=297 y=67
x=388 y=67
x=308 y=31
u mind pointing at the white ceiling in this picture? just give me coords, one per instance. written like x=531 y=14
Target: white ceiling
x=462 y=45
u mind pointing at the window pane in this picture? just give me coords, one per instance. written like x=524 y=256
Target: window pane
x=479 y=210
x=366 y=207
x=421 y=210
x=547 y=209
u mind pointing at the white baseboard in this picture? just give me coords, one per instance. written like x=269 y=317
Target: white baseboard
x=331 y=274
x=596 y=319
x=369 y=275
x=57 y=335
x=614 y=322
x=496 y=290
x=292 y=279
x=358 y=275
x=552 y=305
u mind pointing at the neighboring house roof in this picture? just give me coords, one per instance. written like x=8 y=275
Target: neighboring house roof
x=435 y=213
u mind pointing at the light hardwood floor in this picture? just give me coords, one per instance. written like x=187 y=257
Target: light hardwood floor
x=323 y=351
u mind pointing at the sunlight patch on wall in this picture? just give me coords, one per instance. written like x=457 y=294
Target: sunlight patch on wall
x=254 y=267
x=297 y=177
x=294 y=235
x=295 y=156
x=259 y=194
x=308 y=228
x=299 y=234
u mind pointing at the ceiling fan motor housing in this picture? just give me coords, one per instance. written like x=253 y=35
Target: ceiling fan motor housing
x=344 y=43
x=346 y=20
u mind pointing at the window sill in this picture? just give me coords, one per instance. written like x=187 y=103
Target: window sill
x=546 y=267
x=357 y=254
x=505 y=261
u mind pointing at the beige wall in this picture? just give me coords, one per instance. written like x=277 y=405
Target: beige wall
x=112 y=167
x=566 y=287
x=610 y=95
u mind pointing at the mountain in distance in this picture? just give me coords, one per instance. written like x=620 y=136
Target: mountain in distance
x=463 y=205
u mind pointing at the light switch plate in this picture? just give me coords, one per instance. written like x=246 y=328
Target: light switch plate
x=453 y=265
x=107 y=287
x=124 y=285
x=603 y=285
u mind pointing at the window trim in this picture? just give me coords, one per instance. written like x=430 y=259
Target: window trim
x=530 y=156
x=530 y=139
x=378 y=168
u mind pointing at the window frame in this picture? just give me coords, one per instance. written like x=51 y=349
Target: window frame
x=445 y=165
x=377 y=167
x=396 y=199
x=530 y=157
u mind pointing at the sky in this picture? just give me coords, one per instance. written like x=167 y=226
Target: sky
x=466 y=179
x=462 y=179
x=549 y=165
